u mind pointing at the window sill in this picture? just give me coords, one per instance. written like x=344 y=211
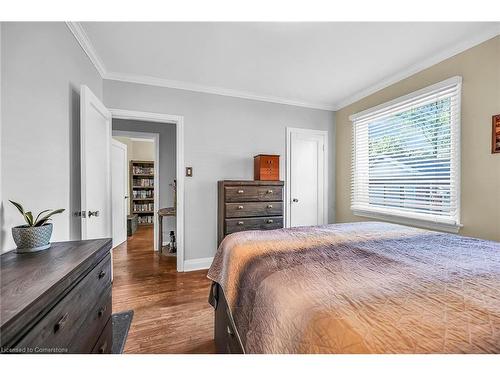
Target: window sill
x=451 y=228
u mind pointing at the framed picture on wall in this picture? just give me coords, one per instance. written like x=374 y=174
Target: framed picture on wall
x=495 y=142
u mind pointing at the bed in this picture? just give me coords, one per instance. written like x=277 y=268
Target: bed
x=365 y=287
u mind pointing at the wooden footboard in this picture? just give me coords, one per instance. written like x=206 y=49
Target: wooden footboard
x=226 y=336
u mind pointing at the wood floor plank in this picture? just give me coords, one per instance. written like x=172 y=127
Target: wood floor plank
x=171 y=310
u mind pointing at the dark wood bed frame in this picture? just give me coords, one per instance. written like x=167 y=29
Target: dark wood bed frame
x=227 y=339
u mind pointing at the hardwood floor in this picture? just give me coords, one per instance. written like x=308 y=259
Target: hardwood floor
x=171 y=310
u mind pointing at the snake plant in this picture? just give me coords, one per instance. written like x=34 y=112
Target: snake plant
x=39 y=220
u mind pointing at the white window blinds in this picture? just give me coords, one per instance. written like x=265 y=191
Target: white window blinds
x=406 y=157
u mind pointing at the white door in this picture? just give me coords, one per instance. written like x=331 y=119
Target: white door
x=95 y=154
x=307 y=176
x=119 y=191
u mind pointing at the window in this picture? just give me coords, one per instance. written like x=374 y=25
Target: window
x=406 y=158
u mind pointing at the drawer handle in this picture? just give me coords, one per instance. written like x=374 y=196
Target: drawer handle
x=241 y=191
x=101 y=311
x=269 y=191
x=102 y=348
x=269 y=206
x=241 y=222
x=270 y=221
x=240 y=207
x=229 y=331
x=102 y=274
x=60 y=324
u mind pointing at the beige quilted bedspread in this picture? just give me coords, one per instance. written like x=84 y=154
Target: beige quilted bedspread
x=361 y=288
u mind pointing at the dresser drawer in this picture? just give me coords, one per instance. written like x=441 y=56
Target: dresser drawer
x=60 y=327
x=253 y=193
x=105 y=341
x=85 y=340
x=249 y=209
x=262 y=223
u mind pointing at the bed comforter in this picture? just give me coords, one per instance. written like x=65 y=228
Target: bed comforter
x=361 y=288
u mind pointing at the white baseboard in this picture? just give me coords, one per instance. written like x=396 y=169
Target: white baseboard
x=197 y=264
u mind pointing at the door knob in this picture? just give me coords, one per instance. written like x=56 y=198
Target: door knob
x=295 y=200
x=93 y=213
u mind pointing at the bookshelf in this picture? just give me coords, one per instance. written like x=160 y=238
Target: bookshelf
x=142 y=191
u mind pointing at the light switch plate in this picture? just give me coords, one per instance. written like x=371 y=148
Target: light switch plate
x=189 y=171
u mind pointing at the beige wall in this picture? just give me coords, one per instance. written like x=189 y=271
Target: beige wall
x=138 y=150
x=480 y=70
x=143 y=151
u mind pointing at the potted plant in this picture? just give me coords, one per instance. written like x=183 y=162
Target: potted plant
x=34 y=236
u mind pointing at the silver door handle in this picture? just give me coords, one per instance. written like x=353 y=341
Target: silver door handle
x=94 y=213
x=295 y=200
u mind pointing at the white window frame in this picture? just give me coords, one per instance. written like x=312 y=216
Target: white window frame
x=402 y=219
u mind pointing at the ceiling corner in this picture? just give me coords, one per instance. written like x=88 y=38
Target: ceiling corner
x=84 y=41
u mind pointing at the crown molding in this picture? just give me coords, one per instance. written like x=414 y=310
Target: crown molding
x=181 y=85
x=84 y=41
x=422 y=65
x=86 y=44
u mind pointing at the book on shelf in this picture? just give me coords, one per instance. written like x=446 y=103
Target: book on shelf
x=139 y=169
x=137 y=207
x=143 y=194
x=143 y=182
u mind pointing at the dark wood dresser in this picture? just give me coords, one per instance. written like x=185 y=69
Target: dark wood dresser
x=249 y=205
x=57 y=300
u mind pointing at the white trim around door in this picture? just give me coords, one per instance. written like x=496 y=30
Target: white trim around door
x=179 y=131
x=288 y=176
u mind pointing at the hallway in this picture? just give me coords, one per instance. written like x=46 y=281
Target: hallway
x=171 y=310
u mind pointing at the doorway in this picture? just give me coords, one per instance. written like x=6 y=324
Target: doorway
x=95 y=210
x=306 y=177
x=139 y=204
x=161 y=212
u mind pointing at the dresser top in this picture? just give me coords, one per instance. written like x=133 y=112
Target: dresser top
x=26 y=279
x=251 y=182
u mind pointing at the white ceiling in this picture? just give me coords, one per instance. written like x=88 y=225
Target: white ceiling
x=322 y=65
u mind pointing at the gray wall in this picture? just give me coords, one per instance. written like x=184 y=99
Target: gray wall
x=166 y=165
x=42 y=68
x=222 y=134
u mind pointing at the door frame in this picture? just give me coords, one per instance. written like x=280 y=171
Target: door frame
x=124 y=147
x=156 y=194
x=288 y=181
x=179 y=142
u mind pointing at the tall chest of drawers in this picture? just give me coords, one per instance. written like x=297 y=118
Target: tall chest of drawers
x=249 y=205
x=57 y=300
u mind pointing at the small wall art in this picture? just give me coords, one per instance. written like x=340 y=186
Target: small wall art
x=495 y=137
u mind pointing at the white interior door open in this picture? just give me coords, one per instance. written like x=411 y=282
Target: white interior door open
x=306 y=177
x=95 y=154
x=119 y=191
